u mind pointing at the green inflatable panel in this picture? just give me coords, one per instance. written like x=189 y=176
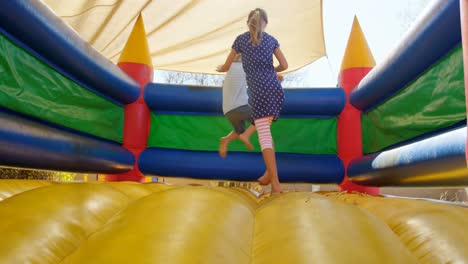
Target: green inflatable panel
x=433 y=101
x=292 y=135
x=31 y=87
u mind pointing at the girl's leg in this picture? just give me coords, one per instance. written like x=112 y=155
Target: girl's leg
x=224 y=142
x=266 y=143
x=265 y=179
x=270 y=162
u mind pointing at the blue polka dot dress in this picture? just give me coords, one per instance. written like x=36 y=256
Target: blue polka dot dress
x=266 y=95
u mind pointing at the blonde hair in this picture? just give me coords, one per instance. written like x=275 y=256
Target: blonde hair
x=257 y=21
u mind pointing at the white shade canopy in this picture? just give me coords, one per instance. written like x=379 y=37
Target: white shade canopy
x=194 y=36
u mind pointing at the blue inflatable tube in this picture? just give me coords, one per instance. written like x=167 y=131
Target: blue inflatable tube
x=437 y=33
x=33 y=26
x=166 y=98
x=239 y=166
x=28 y=144
x=436 y=161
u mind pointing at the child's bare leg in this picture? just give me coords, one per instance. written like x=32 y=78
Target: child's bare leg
x=266 y=141
x=270 y=162
x=224 y=142
x=265 y=179
x=245 y=137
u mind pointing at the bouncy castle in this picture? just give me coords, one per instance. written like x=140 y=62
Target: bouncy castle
x=77 y=94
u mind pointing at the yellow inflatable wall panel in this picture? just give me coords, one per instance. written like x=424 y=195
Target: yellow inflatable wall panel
x=44 y=222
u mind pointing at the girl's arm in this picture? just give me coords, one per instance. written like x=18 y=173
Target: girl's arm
x=225 y=67
x=283 y=64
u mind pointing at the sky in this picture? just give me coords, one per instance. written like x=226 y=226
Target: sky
x=384 y=22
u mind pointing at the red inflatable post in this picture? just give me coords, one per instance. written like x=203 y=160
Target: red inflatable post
x=136 y=62
x=357 y=62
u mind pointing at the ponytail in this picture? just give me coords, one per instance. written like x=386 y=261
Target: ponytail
x=257 y=21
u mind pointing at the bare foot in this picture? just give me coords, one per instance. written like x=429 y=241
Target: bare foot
x=276 y=188
x=264 y=180
x=246 y=141
x=223 y=143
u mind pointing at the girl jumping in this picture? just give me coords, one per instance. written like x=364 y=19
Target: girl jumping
x=266 y=95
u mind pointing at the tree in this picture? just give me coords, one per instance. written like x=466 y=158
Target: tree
x=173 y=77
x=293 y=79
x=207 y=79
x=64 y=176
x=23 y=174
x=13 y=173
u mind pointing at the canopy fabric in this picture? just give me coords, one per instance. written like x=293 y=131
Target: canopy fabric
x=194 y=36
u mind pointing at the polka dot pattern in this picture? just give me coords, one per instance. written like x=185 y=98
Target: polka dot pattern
x=266 y=95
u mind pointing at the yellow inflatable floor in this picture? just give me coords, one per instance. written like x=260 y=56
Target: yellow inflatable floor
x=43 y=222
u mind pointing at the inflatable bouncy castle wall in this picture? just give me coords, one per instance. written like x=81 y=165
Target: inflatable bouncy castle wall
x=172 y=130
x=66 y=107
x=413 y=111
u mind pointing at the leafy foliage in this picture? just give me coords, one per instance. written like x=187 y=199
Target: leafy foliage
x=13 y=173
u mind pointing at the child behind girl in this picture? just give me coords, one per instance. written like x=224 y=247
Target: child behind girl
x=235 y=106
x=266 y=95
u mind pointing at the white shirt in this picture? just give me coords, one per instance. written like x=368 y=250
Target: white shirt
x=234 y=88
